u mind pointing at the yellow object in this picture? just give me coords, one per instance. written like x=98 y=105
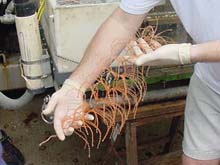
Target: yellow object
x=41 y=9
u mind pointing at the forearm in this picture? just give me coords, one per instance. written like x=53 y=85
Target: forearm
x=107 y=43
x=206 y=52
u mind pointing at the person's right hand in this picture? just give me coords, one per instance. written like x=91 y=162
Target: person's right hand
x=67 y=103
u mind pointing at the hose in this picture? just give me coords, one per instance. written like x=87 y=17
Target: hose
x=41 y=9
x=15 y=104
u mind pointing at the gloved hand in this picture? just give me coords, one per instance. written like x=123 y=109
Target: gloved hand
x=171 y=54
x=64 y=103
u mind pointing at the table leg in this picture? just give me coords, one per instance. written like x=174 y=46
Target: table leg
x=131 y=144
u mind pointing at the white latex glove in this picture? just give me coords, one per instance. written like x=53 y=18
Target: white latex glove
x=171 y=54
x=66 y=102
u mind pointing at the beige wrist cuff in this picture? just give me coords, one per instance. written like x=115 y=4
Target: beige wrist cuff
x=184 y=54
x=73 y=84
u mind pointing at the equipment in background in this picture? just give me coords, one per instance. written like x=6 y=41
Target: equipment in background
x=40 y=55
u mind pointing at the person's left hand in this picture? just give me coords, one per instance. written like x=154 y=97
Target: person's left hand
x=171 y=54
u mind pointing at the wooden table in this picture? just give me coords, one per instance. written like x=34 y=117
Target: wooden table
x=148 y=114
x=153 y=112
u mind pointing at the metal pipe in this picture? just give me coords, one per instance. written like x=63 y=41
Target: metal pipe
x=152 y=96
x=161 y=95
x=165 y=94
x=15 y=104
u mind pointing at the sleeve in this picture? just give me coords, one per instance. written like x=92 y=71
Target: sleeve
x=139 y=6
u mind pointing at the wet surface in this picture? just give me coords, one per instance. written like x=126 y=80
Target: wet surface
x=27 y=130
x=31 y=117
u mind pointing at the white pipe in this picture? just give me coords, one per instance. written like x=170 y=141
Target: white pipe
x=15 y=104
x=3 y=2
x=31 y=50
x=8 y=17
x=10 y=8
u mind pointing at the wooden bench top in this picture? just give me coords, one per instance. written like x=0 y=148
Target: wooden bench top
x=158 y=109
